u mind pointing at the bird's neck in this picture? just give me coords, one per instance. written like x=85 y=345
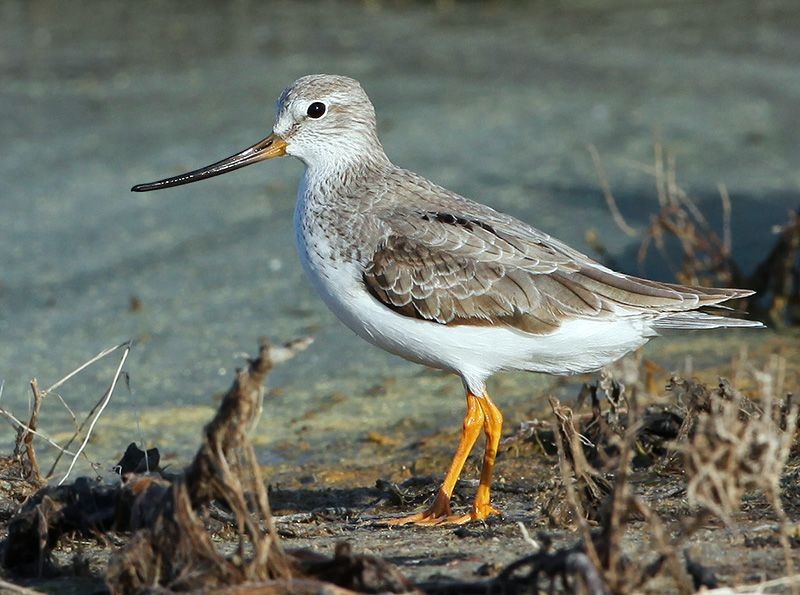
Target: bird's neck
x=343 y=155
x=343 y=174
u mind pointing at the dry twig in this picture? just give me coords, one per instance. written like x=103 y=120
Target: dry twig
x=172 y=547
x=611 y=202
x=25 y=436
x=103 y=403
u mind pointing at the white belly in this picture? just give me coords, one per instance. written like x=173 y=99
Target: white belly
x=473 y=352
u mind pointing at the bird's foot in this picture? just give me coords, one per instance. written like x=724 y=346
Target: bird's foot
x=440 y=509
x=439 y=513
x=478 y=513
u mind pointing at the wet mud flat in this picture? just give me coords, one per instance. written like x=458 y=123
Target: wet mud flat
x=553 y=492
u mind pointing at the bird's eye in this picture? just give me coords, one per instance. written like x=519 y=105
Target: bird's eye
x=316 y=110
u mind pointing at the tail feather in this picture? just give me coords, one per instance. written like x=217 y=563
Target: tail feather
x=701 y=320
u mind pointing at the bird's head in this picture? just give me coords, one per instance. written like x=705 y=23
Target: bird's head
x=325 y=120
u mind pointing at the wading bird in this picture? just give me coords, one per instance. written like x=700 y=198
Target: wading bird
x=447 y=282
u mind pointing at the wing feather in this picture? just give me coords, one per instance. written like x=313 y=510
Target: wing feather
x=488 y=268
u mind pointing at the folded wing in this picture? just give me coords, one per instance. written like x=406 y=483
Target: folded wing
x=456 y=270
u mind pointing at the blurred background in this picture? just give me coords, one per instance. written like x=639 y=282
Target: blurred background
x=496 y=100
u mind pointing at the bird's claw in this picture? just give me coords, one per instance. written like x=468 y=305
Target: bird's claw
x=435 y=516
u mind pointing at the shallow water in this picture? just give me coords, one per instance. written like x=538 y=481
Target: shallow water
x=497 y=102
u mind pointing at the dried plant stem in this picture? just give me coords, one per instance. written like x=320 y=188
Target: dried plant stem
x=783 y=537
x=103 y=403
x=526 y=537
x=705 y=254
x=658 y=172
x=21 y=425
x=25 y=438
x=172 y=547
x=569 y=483
x=726 y=219
x=83 y=366
x=609 y=196
x=127 y=346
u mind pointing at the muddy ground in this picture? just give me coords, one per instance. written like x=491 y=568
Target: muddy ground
x=385 y=475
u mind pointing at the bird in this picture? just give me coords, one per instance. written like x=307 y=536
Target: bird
x=441 y=280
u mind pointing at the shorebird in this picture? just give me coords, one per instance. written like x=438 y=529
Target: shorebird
x=447 y=282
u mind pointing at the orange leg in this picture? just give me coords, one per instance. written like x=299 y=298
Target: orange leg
x=493 y=427
x=440 y=509
x=480 y=411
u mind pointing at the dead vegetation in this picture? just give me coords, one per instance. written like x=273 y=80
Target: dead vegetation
x=171 y=546
x=730 y=448
x=715 y=445
x=26 y=464
x=698 y=254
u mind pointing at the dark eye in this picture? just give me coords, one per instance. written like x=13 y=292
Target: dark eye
x=316 y=110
